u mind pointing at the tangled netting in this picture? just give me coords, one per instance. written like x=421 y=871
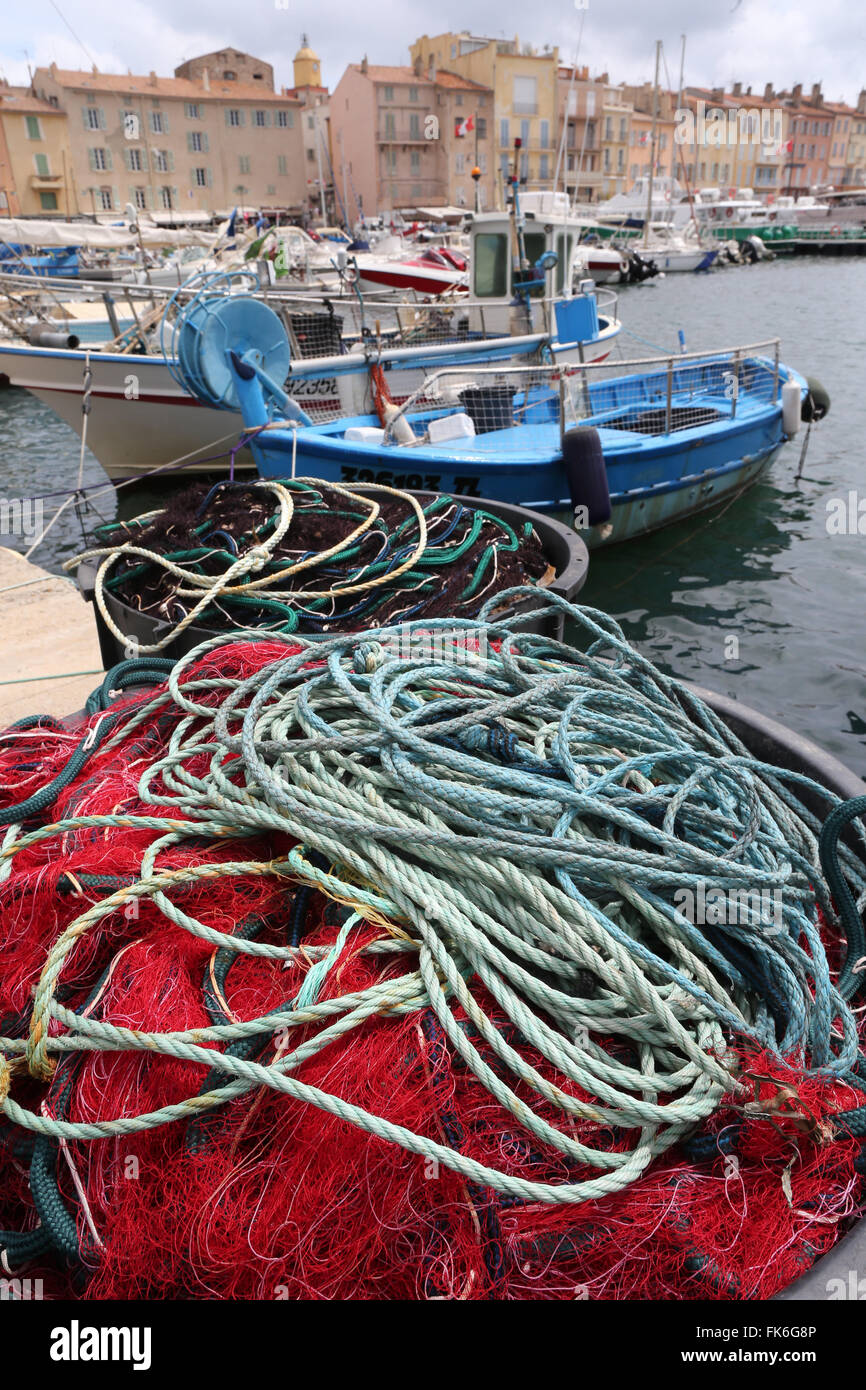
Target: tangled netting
x=306 y=556
x=332 y=973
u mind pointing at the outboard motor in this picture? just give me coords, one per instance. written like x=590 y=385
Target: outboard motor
x=641 y=267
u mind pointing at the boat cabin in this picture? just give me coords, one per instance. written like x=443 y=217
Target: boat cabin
x=547 y=226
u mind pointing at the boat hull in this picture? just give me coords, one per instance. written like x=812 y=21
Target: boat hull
x=141 y=419
x=652 y=484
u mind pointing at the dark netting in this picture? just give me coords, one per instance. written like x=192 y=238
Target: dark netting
x=203 y=531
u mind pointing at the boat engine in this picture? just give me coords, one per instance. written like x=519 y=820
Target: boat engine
x=640 y=268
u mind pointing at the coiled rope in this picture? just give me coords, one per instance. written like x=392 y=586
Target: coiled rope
x=516 y=818
x=264 y=554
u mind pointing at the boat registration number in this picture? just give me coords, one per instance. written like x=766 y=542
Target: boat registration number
x=417 y=482
x=312 y=386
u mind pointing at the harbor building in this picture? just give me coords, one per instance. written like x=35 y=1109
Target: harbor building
x=35 y=158
x=180 y=147
x=640 y=142
x=322 y=199
x=855 y=156
x=406 y=137
x=616 y=114
x=579 y=103
x=523 y=82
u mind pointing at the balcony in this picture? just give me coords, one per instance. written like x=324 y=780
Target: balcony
x=403 y=137
x=404 y=188
x=46 y=183
x=525 y=108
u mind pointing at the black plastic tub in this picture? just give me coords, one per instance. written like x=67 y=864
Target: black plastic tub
x=489 y=407
x=831 y=1277
x=563 y=547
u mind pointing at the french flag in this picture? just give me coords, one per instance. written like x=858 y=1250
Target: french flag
x=465 y=126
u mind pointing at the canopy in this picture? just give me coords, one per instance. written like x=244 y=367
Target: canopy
x=32 y=232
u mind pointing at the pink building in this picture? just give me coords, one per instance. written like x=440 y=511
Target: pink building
x=394 y=134
x=810 y=137
x=580 y=103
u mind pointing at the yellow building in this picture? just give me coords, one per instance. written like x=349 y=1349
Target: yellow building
x=524 y=86
x=35 y=161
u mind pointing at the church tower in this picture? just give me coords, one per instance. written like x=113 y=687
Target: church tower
x=308 y=71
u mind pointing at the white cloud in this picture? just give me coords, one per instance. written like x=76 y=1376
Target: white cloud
x=756 y=41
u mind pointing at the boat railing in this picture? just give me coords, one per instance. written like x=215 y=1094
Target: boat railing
x=656 y=395
x=318 y=324
x=321 y=327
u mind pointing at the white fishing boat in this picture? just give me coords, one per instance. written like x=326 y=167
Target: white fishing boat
x=140 y=418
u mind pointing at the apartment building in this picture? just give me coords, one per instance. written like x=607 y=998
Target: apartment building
x=843 y=122
x=855 y=159
x=740 y=139
x=579 y=103
x=396 y=141
x=524 y=85
x=35 y=158
x=810 y=137
x=642 y=100
x=178 y=145
x=616 y=114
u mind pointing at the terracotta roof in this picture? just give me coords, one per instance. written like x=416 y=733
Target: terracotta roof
x=454 y=79
x=27 y=104
x=377 y=73
x=729 y=100
x=131 y=84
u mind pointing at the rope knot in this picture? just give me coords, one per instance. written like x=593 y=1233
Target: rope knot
x=494 y=739
x=258 y=558
x=367 y=658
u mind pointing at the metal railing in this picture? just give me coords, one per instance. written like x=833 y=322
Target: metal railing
x=657 y=395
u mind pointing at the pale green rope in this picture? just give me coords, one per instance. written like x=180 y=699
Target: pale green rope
x=518 y=820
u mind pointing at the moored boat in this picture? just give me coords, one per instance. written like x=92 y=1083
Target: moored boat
x=622 y=449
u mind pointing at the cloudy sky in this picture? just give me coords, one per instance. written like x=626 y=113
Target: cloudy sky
x=755 y=41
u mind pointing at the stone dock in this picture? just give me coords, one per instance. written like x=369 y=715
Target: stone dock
x=47 y=635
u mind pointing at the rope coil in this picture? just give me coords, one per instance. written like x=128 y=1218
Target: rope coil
x=507 y=822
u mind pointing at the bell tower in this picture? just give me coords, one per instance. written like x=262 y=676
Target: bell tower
x=308 y=71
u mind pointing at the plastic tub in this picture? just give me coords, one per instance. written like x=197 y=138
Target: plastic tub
x=776 y=744
x=565 y=551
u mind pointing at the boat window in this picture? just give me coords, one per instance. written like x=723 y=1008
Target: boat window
x=535 y=244
x=491 y=265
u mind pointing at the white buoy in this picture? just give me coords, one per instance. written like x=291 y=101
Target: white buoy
x=790 y=408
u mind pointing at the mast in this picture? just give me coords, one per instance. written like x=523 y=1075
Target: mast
x=321 y=176
x=649 y=200
x=682 y=71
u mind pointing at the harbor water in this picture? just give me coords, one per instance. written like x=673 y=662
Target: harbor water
x=762 y=599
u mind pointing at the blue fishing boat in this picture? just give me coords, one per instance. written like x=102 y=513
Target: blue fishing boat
x=618 y=448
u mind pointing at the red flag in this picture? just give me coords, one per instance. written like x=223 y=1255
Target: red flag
x=465 y=126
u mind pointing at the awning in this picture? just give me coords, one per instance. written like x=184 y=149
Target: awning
x=21 y=231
